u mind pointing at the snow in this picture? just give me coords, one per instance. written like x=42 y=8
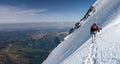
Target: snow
x=104 y=51
x=77 y=47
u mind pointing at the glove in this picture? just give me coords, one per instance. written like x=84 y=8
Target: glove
x=100 y=28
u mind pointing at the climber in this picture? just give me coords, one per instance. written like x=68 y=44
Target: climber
x=94 y=29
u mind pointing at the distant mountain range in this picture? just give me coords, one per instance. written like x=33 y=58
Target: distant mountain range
x=41 y=25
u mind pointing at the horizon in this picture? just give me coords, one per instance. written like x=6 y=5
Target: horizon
x=40 y=22
x=40 y=25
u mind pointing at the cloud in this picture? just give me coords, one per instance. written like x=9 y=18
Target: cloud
x=16 y=15
x=9 y=14
x=34 y=11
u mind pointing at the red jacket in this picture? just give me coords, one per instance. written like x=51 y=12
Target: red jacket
x=95 y=27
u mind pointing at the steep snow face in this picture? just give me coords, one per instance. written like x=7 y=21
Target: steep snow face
x=105 y=50
x=77 y=47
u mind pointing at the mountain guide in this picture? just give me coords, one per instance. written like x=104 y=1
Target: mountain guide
x=94 y=29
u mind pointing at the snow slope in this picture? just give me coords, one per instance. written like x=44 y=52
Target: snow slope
x=104 y=51
x=77 y=47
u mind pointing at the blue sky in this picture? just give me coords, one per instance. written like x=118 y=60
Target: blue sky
x=20 y=11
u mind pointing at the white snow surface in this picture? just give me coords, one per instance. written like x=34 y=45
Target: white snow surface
x=77 y=47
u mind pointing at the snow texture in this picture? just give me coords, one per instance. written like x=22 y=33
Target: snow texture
x=77 y=47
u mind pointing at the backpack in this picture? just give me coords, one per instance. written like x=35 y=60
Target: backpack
x=94 y=27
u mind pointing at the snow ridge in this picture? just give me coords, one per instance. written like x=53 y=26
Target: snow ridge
x=77 y=47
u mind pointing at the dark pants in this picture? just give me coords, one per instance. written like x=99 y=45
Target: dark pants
x=93 y=31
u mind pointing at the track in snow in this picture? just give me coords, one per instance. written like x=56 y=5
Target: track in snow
x=91 y=56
